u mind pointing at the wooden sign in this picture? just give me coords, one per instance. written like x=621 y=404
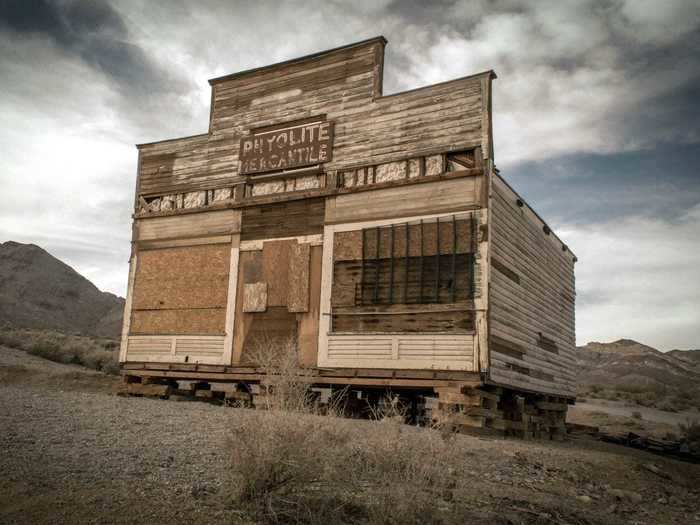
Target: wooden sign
x=288 y=146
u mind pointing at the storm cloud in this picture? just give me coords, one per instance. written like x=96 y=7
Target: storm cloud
x=595 y=114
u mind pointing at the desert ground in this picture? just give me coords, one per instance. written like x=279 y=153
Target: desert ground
x=74 y=452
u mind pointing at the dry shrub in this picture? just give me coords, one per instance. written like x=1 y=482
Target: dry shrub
x=301 y=468
x=288 y=384
x=291 y=465
x=96 y=353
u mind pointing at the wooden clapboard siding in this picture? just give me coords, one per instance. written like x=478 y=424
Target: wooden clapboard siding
x=531 y=300
x=433 y=321
x=205 y=224
x=434 y=197
x=179 y=165
x=344 y=85
x=175 y=349
x=284 y=219
x=401 y=351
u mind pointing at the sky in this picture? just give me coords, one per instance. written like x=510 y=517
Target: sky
x=596 y=122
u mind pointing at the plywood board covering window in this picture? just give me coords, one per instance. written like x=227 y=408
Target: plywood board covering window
x=181 y=290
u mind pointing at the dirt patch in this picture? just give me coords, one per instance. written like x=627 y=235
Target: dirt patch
x=71 y=454
x=613 y=417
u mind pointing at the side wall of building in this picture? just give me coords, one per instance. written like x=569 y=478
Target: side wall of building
x=531 y=300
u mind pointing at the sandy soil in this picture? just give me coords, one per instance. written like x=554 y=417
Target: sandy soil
x=71 y=451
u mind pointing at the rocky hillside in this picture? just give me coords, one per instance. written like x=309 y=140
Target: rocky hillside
x=39 y=291
x=634 y=367
x=690 y=357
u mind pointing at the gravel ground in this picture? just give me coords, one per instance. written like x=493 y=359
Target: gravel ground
x=72 y=452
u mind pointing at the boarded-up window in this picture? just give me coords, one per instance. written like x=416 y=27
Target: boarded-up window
x=181 y=290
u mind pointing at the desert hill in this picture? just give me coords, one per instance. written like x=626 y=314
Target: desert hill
x=670 y=379
x=690 y=357
x=626 y=362
x=39 y=291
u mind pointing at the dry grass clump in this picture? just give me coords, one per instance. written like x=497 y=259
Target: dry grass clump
x=303 y=468
x=287 y=384
x=290 y=464
x=92 y=352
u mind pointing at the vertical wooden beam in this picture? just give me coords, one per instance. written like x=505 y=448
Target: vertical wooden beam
x=227 y=356
x=391 y=270
x=363 y=273
x=405 y=277
x=126 y=321
x=376 y=272
x=324 y=320
x=420 y=292
x=472 y=254
x=454 y=258
x=437 y=259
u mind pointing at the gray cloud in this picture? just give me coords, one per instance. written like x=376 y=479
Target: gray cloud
x=94 y=32
x=596 y=119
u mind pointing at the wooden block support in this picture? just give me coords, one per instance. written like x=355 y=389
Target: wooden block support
x=141 y=389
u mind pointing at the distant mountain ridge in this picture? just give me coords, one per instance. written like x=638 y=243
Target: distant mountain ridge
x=39 y=291
x=628 y=364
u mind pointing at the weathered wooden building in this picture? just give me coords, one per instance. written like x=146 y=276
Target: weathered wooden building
x=373 y=230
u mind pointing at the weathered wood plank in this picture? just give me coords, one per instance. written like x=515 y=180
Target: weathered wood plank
x=298 y=290
x=255 y=297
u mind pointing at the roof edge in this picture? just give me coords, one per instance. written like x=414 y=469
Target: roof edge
x=312 y=56
x=539 y=217
x=156 y=142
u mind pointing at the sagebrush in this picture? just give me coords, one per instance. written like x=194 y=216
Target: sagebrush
x=98 y=353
